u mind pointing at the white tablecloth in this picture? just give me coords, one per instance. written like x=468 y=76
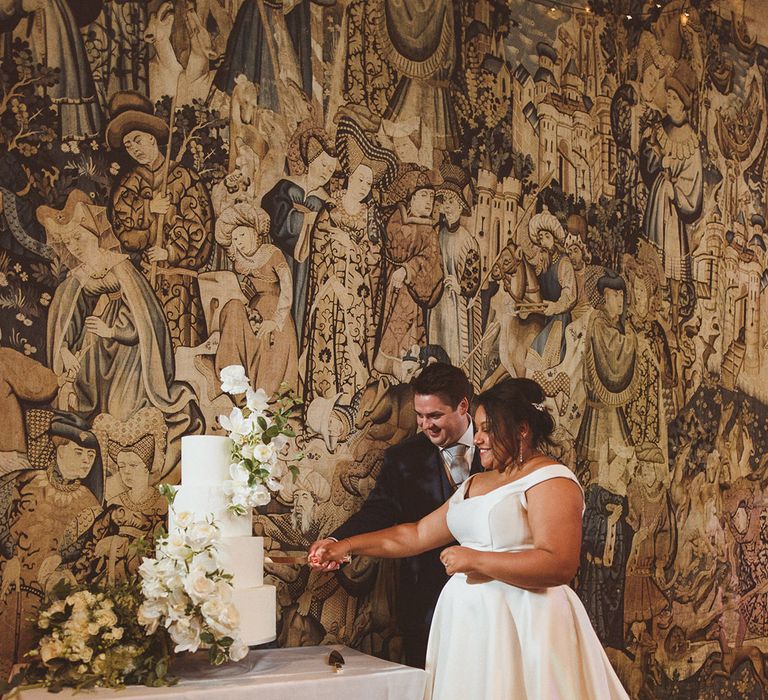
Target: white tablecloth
x=300 y=673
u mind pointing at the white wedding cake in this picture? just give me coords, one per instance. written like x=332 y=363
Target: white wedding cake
x=205 y=461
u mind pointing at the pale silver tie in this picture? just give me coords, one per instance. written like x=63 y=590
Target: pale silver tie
x=457 y=462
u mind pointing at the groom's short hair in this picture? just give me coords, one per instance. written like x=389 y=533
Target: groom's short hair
x=443 y=380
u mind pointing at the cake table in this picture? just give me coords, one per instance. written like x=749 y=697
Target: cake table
x=280 y=674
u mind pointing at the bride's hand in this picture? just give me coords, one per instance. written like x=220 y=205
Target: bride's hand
x=316 y=550
x=457 y=560
x=329 y=552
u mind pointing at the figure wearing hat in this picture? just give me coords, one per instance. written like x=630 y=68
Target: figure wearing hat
x=108 y=340
x=47 y=512
x=414 y=268
x=451 y=321
x=557 y=282
x=259 y=333
x=343 y=287
x=133 y=452
x=670 y=164
x=144 y=200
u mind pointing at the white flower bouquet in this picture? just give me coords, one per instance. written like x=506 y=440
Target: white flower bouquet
x=89 y=637
x=187 y=592
x=259 y=432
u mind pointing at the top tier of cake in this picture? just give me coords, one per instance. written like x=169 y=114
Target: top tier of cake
x=205 y=459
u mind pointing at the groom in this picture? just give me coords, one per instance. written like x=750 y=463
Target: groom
x=418 y=476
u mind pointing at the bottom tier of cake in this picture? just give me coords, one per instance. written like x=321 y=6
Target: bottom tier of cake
x=258 y=613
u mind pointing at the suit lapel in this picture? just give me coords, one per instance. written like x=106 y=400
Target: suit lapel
x=435 y=464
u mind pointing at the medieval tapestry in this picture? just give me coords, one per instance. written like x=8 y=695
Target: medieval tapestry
x=333 y=193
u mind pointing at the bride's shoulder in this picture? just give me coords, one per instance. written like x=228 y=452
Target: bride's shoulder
x=550 y=471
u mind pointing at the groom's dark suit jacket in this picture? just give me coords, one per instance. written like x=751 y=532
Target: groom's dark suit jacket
x=412 y=483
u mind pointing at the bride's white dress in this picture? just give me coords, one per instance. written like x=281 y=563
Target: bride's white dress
x=492 y=641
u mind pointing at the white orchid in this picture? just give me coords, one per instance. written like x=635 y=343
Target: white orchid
x=238 y=471
x=264 y=453
x=259 y=495
x=260 y=432
x=257 y=401
x=237 y=425
x=233 y=380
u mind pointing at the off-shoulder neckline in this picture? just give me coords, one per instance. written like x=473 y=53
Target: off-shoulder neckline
x=514 y=481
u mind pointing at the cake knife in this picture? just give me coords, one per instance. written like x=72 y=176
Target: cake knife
x=300 y=559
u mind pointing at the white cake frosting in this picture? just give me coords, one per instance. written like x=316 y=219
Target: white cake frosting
x=205 y=461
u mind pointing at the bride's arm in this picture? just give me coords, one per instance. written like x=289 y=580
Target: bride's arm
x=404 y=540
x=554 y=516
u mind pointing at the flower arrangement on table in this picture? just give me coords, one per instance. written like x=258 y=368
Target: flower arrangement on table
x=187 y=593
x=111 y=635
x=90 y=636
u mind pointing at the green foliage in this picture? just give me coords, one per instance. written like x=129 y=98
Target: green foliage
x=119 y=651
x=168 y=492
x=27 y=118
x=198 y=142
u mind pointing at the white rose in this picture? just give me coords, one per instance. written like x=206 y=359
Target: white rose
x=148 y=568
x=223 y=618
x=247 y=451
x=259 y=496
x=178 y=602
x=233 y=380
x=116 y=633
x=183 y=519
x=175 y=545
x=149 y=614
x=106 y=618
x=205 y=561
x=201 y=534
x=257 y=401
x=199 y=587
x=186 y=634
x=152 y=588
x=51 y=649
x=85 y=652
x=223 y=591
x=238 y=650
x=263 y=453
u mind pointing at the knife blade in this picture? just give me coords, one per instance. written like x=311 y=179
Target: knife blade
x=336 y=660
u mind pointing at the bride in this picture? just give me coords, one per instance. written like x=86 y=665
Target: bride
x=507 y=625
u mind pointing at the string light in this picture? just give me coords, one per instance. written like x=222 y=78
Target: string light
x=657 y=10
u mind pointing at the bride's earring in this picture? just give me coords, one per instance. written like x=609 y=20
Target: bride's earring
x=520 y=451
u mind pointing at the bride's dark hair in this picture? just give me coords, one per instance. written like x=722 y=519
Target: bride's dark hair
x=508 y=406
